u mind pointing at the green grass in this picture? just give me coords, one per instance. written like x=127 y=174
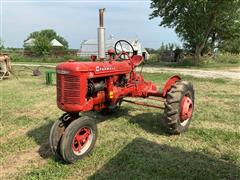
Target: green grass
x=132 y=144
x=18 y=57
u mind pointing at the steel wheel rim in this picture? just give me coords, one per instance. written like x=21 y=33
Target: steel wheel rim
x=82 y=141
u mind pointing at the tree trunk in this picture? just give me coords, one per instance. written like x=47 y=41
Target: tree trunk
x=198 y=51
x=201 y=45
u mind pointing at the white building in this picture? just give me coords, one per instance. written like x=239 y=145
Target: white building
x=90 y=47
x=56 y=43
x=30 y=42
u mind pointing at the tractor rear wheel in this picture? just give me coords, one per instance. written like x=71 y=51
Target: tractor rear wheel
x=179 y=107
x=78 y=139
x=57 y=131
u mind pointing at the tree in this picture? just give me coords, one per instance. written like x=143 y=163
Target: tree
x=228 y=38
x=42 y=39
x=150 y=50
x=232 y=46
x=196 y=21
x=1 y=45
x=41 y=46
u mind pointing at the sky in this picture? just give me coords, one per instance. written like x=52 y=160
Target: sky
x=77 y=20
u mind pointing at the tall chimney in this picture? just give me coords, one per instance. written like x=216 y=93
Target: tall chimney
x=101 y=36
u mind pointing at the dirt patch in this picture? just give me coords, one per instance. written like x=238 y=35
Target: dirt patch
x=14 y=134
x=14 y=163
x=234 y=69
x=40 y=108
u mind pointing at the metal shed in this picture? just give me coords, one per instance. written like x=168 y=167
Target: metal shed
x=90 y=47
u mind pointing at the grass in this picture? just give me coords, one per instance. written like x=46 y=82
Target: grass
x=20 y=58
x=132 y=144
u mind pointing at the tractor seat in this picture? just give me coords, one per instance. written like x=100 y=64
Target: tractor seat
x=137 y=60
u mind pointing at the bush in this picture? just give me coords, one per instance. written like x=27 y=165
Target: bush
x=152 y=59
x=219 y=60
x=227 y=58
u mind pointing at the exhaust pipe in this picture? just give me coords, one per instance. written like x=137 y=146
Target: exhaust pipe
x=101 y=36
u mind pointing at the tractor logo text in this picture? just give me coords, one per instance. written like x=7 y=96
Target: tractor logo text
x=104 y=68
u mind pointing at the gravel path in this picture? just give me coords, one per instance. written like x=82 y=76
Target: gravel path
x=185 y=71
x=195 y=72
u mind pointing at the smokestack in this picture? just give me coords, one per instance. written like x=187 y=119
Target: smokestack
x=101 y=35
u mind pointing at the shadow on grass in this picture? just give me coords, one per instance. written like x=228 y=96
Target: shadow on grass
x=100 y=117
x=40 y=136
x=150 y=122
x=142 y=159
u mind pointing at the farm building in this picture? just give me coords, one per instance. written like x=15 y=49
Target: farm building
x=90 y=47
x=30 y=42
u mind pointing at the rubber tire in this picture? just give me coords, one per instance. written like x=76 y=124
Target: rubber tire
x=172 y=106
x=66 y=142
x=57 y=131
x=55 y=136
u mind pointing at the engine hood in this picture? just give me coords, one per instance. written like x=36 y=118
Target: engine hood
x=97 y=68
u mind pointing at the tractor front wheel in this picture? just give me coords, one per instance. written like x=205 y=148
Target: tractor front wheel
x=78 y=139
x=179 y=107
x=57 y=131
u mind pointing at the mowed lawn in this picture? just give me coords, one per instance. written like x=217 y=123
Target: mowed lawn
x=132 y=144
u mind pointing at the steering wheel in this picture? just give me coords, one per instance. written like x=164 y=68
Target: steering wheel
x=123 y=44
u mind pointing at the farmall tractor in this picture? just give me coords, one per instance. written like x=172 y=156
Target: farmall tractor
x=102 y=85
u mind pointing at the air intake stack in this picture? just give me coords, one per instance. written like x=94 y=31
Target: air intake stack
x=101 y=36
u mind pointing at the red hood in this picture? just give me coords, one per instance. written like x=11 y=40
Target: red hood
x=74 y=67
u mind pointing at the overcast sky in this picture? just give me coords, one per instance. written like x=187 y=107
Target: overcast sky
x=77 y=21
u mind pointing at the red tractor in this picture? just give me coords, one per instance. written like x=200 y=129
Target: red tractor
x=102 y=86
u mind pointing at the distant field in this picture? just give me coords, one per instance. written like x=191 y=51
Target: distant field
x=132 y=144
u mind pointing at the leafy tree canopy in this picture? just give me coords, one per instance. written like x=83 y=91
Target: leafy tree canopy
x=198 y=22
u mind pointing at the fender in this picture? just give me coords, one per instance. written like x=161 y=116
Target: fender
x=172 y=80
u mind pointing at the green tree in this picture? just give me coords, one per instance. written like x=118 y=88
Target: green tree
x=42 y=46
x=196 y=21
x=1 y=45
x=228 y=38
x=42 y=39
x=232 y=46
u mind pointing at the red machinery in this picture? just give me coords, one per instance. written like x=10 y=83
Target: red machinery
x=102 y=86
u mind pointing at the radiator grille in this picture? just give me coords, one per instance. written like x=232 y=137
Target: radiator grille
x=68 y=89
